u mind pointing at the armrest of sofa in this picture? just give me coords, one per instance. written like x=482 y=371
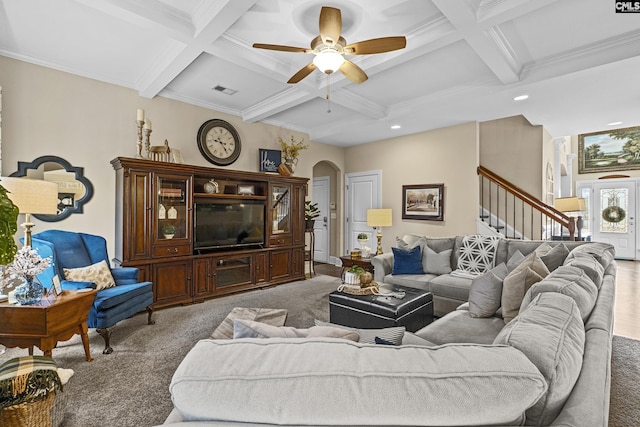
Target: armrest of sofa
x=382 y=265
x=125 y=275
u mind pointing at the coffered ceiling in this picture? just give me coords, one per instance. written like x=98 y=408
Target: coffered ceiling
x=465 y=60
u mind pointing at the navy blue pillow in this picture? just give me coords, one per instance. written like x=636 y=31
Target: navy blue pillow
x=407 y=261
x=383 y=341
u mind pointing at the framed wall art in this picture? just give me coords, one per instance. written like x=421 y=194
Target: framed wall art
x=609 y=151
x=269 y=160
x=423 y=201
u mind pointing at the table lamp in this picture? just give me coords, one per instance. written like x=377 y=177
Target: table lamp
x=571 y=205
x=379 y=218
x=31 y=196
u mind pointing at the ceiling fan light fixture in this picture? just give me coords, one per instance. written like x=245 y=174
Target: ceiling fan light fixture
x=328 y=61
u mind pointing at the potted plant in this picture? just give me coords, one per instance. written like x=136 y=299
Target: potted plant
x=352 y=276
x=168 y=231
x=290 y=152
x=8 y=227
x=362 y=238
x=311 y=212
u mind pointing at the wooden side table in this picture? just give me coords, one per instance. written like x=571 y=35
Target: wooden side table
x=348 y=262
x=53 y=319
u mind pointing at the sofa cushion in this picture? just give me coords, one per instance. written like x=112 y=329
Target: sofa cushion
x=437 y=262
x=458 y=327
x=311 y=381
x=407 y=261
x=570 y=281
x=555 y=257
x=251 y=329
x=590 y=265
x=450 y=286
x=393 y=334
x=550 y=332
x=603 y=252
x=518 y=282
x=485 y=292
x=420 y=281
x=118 y=295
x=98 y=273
x=476 y=255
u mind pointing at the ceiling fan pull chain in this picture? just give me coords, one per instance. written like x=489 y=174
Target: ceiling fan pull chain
x=328 y=93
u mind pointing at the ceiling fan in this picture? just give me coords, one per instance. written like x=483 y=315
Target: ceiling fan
x=330 y=47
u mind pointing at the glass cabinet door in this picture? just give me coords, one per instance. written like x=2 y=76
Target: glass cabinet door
x=281 y=209
x=171 y=211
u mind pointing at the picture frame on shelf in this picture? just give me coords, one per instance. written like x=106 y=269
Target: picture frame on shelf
x=269 y=160
x=423 y=202
x=57 y=287
x=246 y=190
x=609 y=150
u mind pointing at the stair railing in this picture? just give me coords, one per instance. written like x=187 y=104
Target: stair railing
x=517 y=214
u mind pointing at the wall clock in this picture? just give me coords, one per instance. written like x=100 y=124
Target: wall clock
x=219 y=142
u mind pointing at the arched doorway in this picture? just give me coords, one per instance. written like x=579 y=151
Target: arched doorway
x=325 y=192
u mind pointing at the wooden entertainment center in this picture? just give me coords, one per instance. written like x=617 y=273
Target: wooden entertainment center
x=156 y=229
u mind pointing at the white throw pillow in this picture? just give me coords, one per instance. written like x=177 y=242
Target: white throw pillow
x=98 y=273
x=476 y=255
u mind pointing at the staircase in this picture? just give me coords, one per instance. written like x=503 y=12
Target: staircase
x=508 y=210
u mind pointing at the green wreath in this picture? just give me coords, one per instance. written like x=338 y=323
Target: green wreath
x=613 y=214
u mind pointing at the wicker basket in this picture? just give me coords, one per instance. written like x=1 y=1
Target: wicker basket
x=31 y=414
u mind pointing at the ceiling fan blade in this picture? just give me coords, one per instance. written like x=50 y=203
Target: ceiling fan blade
x=353 y=72
x=280 y=47
x=330 y=25
x=304 y=72
x=383 y=44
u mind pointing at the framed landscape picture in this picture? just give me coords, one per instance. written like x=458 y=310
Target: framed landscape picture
x=423 y=201
x=609 y=151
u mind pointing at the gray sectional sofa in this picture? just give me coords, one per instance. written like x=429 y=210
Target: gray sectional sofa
x=548 y=365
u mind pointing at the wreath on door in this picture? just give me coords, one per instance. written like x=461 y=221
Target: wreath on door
x=613 y=214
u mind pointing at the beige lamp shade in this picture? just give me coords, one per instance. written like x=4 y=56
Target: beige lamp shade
x=569 y=204
x=32 y=196
x=379 y=217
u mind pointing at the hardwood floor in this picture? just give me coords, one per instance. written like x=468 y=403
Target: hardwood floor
x=627 y=310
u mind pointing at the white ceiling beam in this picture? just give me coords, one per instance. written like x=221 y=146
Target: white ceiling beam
x=284 y=100
x=225 y=14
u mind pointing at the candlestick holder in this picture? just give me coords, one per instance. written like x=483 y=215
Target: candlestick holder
x=139 y=145
x=147 y=143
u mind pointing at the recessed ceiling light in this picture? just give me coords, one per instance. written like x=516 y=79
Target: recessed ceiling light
x=521 y=97
x=396 y=127
x=614 y=123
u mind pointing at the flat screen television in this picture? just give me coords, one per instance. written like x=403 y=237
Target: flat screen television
x=228 y=223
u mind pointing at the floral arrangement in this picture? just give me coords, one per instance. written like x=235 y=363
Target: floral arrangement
x=291 y=149
x=27 y=263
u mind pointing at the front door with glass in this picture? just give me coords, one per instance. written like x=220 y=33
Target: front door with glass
x=614 y=216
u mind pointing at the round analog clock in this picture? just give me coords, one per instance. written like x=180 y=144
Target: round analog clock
x=219 y=142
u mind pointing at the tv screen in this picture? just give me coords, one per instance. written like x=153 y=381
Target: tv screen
x=224 y=224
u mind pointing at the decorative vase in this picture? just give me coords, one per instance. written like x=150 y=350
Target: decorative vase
x=291 y=162
x=30 y=292
x=309 y=223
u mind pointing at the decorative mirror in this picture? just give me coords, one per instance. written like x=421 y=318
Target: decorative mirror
x=74 y=190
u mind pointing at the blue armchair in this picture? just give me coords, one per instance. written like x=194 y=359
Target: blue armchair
x=111 y=305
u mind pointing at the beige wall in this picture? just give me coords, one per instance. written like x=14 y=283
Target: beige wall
x=513 y=148
x=448 y=155
x=89 y=123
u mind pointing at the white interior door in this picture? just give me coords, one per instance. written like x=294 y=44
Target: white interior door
x=614 y=216
x=322 y=226
x=363 y=192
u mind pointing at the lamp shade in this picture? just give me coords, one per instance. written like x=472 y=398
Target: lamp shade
x=379 y=217
x=32 y=196
x=569 y=204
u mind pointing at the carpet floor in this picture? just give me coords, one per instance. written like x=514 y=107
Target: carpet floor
x=131 y=386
